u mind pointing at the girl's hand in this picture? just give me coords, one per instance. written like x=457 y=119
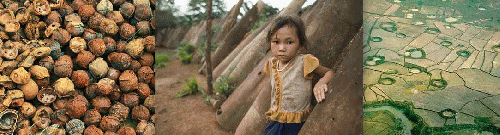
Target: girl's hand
x=319 y=91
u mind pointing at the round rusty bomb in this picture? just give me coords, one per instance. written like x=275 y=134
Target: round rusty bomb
x=86 y=11
x=95 y=21
x=101 y=104
x=8 y=119
x=98 y=68
x=63 y=67
x=143 y=90
x=149 y=44
x=113 y=74
x=80 y=78
x=110 y=133
x=54 y=16
x=55 y=129
x=62 y=36
x=126 y=130
x=77 y=3
x=75 y=28
x=110 y=44
x=92 y=117
x=120 y=111
x=147 y=59
x=89 y=34
x=105 y=86
x=59 y=117
x=97 y=46
x=93 y=130
x=135 y=65
x=60 y=104
x=27 y=109
x=47 y=62
x=140 y=113
x=143 y=28
x=42 y=117
x=149 y=103
x=145 y=74
x=39 y=72
x=8 y=67
x=77 y=44
x=120 y=61
x=127 y=9
x=65 y=9
x=115 y=95
x=108 y=26
x=77 y=106
x=75 y=126
x=17 y=98
x=20 y=76
x=45 y=82
x=135 y=48
x=116 y=16
x=109 y=123
x=104 y=7
x=145 y=128
x=64 y=87
x=127 y=31
x=128 y=81
x=142 y=12
x=47 y=95
x=72 y=18
x=120 y=46
x=30 y=90
x=130 y=99
x=84 y=58
x=91 y=91
x=141 y=127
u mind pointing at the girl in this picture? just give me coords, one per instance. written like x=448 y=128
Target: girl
x=291 y=75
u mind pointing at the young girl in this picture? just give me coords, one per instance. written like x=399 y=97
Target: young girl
x=291 y=75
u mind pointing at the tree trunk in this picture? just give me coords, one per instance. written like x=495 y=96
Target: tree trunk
x=254 y=121
x=256 y=50
x=342 y=111
x=208 y=50
x=224 y=64
x=242 y=98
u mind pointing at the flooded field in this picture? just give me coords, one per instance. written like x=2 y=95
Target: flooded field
x=431 y=67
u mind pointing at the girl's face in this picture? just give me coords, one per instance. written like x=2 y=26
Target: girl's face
x=285 y=43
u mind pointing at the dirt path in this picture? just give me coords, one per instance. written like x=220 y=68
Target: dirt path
x=187 y=115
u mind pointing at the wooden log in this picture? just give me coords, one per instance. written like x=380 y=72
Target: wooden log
x=256 y=50
x=235 y=36
x=224 y=64
x=242 y=98
x=342 y=111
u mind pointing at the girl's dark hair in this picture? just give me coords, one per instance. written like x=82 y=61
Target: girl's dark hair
x=294 y=22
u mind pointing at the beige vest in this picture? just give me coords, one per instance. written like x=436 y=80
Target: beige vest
x=291 y=89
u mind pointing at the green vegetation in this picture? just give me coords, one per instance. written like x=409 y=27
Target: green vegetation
x=185 y=52
x=161 y=60
x=191 y=88
x=223 y=87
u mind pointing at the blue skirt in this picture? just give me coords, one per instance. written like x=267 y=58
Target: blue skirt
x=276 y=128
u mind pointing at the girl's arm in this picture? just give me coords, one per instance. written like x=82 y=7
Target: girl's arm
x=321 y=87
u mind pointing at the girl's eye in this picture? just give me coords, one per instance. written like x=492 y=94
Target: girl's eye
x=289 y=42
x=274 y=42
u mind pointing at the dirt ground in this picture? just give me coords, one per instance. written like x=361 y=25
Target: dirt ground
x=186 y=115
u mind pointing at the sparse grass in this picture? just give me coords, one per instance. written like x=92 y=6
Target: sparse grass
x=185 y=52
x=191 y=88
x=223 y=87
x=161 y=60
